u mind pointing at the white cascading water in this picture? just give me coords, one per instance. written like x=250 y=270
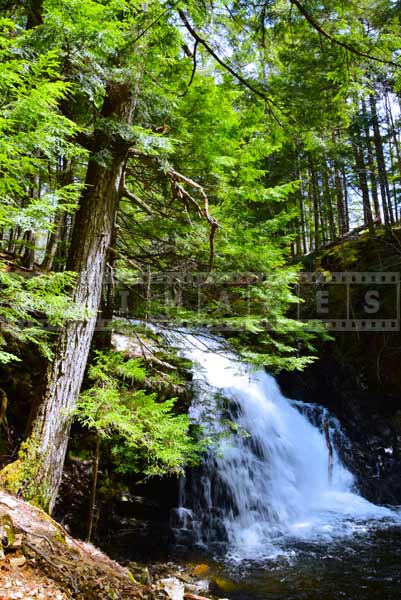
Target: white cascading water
x=267 y=482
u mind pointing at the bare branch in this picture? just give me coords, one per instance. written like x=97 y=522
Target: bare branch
x=182 y=194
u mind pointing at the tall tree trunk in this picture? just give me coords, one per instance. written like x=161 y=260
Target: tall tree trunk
x=371 y=163
x=65 y=177
x=53 y=242
x=95 y=474
x=328 y=201
x=314 y=190
x=341 y=209
x=381 y=164
x=66 y=228
x=345 y=192
x=103 y=335
x=28 y=255
x=363 y=184
x=302 y=218
x=396 y=147
x=90 y=241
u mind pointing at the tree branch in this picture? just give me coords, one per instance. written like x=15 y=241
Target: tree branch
x=226 y=66
x=205 y=212
x=154 y=22
x=182 y=194
x=336 y=41
x=194 y=59
x=134 y=198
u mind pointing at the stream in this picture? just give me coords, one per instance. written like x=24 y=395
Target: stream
x=264 y=509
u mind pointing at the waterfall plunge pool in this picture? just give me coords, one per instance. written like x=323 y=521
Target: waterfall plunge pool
x=263 y=503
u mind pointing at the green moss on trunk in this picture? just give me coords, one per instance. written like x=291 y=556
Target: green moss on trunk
x=24 y=476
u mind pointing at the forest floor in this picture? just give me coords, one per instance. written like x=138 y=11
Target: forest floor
x=28 y=582
x=40 y=560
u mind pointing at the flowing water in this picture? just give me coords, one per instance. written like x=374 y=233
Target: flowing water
x=264 y=503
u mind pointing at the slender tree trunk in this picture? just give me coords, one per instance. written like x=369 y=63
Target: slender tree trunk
x=328 y=202
x=363 y=183
x=393 y=171
x=304 y=247
x=28 y=257
x=314 y=189
x=53 y=242
x=103 y=335
x=341 y=210
x=10 y=240
x=13 y=239
x=396 y=147
x=91 y=238
x=95 y=474
x=345 y=192
x=381 y=164
x=65 y=177
x=371 y=163
x=61 y=255
x=302 y=214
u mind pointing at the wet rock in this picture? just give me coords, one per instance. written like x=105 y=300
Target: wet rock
x=173 y=587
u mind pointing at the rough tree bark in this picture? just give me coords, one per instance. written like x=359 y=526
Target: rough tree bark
x=90 y=241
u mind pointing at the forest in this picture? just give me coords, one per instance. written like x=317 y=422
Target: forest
x=168 y=170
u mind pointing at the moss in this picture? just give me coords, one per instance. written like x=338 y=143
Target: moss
x=24 y=476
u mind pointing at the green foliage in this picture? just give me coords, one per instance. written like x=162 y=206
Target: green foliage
x=32 y=130
x=145 y=435
x=255 y=159
x=30 y=308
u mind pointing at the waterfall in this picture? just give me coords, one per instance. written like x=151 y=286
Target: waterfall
x=265 y=481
